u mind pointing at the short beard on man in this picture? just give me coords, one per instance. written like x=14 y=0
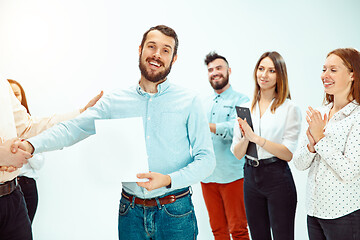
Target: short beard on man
x=222 y=84
x=153 y=77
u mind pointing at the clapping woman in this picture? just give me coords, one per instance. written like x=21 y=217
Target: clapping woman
x=331 y=150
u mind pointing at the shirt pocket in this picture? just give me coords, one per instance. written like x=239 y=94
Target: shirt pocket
x=228 y=111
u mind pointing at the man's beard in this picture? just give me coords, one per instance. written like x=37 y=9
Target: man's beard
x=149 y=75
x=222 y=84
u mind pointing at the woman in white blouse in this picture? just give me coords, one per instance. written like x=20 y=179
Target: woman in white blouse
x=331 y=149
x=269 y=189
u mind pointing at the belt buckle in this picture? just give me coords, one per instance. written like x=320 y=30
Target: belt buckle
x=256 y=162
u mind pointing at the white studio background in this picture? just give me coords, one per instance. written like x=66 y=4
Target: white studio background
x=65 y=52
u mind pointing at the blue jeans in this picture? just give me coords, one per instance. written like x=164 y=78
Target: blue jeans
x=270 y=201
x=346 y=227
x=170 y=221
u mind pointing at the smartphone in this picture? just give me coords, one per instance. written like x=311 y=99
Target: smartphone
x=244 y=113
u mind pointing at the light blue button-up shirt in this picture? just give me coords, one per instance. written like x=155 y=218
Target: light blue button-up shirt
x=174 y=123
x=222 y=112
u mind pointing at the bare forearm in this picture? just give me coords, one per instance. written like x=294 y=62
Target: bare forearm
x=276 y=149
x=240 y=148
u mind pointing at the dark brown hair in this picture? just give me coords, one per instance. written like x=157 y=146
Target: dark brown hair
x=282 y=91
x=23 y=97
x=212 y=56
x=351 y=60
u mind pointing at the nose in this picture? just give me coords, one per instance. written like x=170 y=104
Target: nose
x=214 y=73
x=325 y=74
x=157 y=54
x=264 y=73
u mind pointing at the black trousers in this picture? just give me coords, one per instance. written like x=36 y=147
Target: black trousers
x=14 y=220
x=270 y=201
x=29 y=189
x=346 y=227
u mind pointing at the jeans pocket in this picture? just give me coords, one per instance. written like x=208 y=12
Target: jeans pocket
x=179 y=208
x=124 y=207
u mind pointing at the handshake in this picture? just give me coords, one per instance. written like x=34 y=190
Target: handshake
x=14 y=153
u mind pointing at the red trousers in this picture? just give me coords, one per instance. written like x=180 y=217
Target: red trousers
x=225 y=205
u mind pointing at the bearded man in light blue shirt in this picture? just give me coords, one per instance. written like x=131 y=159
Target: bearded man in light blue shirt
x=223 y=190
x=178 y=144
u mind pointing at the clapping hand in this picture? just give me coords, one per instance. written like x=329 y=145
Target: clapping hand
x=316 y=125
x=246 y=130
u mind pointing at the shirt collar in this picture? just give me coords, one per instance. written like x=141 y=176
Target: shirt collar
x=223 y=94
x=348 y=109
x=160 y=87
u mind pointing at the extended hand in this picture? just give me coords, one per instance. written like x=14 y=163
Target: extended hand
x=23 y=145
x=9 y=159
x=316 y=124
x=156 y=180
x=92 y=102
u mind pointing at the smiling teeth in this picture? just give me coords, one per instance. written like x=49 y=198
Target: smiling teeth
x=155 y=64
x=327 y=83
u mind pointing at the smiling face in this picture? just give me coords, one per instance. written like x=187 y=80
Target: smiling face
x=218 y=73
x=266 y=74
x=156 y=56
x=336 y=77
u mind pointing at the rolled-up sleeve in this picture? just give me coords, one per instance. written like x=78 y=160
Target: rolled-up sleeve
x=292 y=128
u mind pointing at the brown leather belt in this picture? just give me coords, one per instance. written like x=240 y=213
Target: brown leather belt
x=7 y=187
x=152 y=201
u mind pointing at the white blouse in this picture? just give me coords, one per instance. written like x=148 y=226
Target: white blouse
x=283 y=126
x=333 y=186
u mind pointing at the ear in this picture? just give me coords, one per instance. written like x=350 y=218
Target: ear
x=229 y=70
x=174 y=60
x=140 y=49
x=352 y=76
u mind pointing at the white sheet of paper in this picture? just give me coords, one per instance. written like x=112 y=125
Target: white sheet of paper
x=121 y=143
